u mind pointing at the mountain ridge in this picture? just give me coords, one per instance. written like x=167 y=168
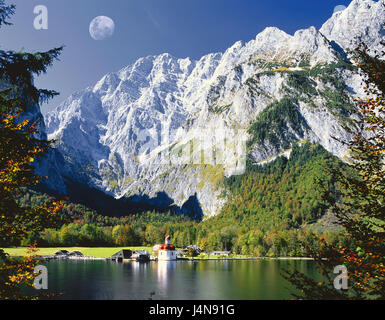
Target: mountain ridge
x=113 y=136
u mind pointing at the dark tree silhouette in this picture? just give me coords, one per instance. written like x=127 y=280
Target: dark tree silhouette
x=19 y=148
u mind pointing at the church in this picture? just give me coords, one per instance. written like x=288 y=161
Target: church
x=167 y=251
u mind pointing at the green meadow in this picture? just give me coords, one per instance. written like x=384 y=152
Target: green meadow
x=92 y=252
x=104 y=252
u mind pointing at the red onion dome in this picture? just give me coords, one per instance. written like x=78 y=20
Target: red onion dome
x=167 y=247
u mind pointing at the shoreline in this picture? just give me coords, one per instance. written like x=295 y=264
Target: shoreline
x=254 y=258
x=177 y=260
x=98 y=253
x=88 y=258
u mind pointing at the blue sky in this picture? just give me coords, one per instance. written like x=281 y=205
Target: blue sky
x=147 y=27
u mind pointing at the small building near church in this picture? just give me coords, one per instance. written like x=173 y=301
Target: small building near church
x=155 y=250
x=220 y=253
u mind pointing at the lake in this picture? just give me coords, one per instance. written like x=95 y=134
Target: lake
x=175 y=280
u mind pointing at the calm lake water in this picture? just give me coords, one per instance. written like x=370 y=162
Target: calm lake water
x=206 y=280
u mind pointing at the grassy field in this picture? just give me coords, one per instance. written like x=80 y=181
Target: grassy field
x=92 y=252
x=106 y=252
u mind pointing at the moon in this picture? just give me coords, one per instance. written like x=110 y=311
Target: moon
x=101 y=28
x=339 y=8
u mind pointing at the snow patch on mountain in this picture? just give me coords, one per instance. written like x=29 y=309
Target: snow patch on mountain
x=181 y=126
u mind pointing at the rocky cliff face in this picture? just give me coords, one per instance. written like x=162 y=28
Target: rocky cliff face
x=363 y=21
x=178 y=126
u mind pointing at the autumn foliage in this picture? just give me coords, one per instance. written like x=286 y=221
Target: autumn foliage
x=360 y=205
x=19 y=149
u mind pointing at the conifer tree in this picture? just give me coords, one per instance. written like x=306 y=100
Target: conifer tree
x=19 y=149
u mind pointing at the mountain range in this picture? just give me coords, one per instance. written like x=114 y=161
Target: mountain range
x=166 y=132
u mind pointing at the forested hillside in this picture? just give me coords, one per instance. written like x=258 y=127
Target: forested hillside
x=267 y=213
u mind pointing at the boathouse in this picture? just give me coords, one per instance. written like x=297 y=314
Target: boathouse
x=122 y=255
x=141 y=255
x=61 y=253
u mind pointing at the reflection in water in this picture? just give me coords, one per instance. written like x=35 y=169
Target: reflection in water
x=165 y=273
x=190 y=280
